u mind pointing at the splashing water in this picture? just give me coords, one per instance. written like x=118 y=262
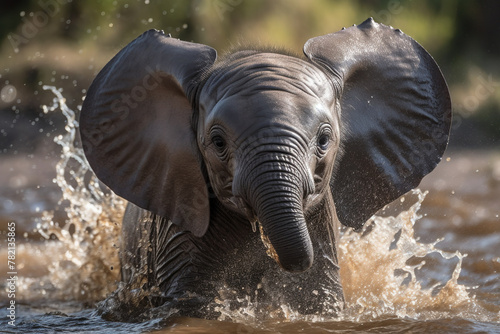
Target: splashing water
x=378 y=280
x=84 y=261
x=379 y=266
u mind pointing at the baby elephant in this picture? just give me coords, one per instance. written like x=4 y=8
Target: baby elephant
x=238 y=171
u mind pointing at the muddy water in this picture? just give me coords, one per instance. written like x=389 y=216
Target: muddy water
x=430 y=263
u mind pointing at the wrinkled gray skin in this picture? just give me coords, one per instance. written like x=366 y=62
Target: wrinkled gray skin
x=205 y=149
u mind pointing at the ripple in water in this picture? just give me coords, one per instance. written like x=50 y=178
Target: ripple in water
x=379 y=266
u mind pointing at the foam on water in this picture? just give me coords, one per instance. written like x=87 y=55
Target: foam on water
x=379 y=266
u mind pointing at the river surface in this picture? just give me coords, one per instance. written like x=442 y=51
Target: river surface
x=430 y=263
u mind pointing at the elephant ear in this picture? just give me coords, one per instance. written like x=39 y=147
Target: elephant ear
x=136 y=128
x=395 y=115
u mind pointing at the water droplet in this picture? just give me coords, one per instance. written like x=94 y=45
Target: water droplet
x=8 y=93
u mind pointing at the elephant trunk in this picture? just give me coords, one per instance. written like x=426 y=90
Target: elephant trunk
x=286 y=230
x=275 y=191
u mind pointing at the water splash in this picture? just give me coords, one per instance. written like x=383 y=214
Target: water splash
x=378 y=279
x=84 y=259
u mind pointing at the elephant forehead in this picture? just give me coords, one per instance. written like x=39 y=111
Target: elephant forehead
x=255 y=73
x=269 y=114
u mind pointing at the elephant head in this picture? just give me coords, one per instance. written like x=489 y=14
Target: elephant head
x=363 y=117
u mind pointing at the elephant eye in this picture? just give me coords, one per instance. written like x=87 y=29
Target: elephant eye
x=323 y=141
x=219 y=142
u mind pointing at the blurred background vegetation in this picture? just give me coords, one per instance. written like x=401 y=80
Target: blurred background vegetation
x=65 y=43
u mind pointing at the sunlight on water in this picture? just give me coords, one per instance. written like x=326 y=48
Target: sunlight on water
x=379 y=266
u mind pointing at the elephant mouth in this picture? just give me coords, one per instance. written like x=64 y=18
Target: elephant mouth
x=239 y=205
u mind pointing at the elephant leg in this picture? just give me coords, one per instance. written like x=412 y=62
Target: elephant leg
x=132 y=257
x=129 y=301
x=156 y=258
x=154 y=247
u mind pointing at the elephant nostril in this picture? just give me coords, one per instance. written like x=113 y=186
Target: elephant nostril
x=240 y=203
x=297 y=267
